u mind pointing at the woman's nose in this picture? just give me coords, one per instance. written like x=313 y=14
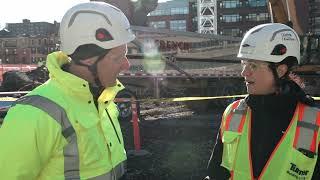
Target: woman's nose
x=246 y=71
x=125 y=64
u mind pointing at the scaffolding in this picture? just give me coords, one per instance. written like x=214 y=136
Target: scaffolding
x=207 y=16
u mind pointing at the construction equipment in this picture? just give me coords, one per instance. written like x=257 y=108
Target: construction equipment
x=295 y=13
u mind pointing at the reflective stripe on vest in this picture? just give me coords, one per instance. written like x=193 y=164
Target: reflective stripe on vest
x=70 y=151
x=307 y=128
x=114 y=174
x=237 y=116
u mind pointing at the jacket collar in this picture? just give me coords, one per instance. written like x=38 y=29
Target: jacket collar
x=74 y=84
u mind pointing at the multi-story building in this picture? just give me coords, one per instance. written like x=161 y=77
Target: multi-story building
x=33 y=28
x=235 y=17
x=314 y=16
x=177 y=15
x=23 y=49
x=28 y=42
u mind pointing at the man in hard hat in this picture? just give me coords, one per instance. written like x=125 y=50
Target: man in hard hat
x=274 y=132
x=67 y=128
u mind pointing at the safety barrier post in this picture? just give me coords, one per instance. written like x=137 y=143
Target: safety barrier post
x=135 y=125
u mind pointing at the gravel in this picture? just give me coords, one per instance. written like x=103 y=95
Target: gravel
x=178 y=141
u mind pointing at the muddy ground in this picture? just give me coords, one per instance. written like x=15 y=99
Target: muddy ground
x=179 y=142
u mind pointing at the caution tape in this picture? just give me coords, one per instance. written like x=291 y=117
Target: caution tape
x=182 y=99
x=179 y=99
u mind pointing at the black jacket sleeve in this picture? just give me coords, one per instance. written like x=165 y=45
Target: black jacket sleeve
x=215 y=170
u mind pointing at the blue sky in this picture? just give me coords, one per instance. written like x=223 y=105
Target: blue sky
x=13 y=11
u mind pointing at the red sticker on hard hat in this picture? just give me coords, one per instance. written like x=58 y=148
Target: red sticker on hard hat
x=279 y=49
x=103 y=35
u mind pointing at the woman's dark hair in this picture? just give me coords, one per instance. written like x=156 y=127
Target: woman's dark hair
x=290 y=61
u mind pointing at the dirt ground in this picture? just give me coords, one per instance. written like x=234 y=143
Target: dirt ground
x=178 y=141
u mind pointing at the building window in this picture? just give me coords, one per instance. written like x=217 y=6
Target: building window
x=258 y=17
x=317 y=19
x=180 y=10
x=33 y=50
x=231 y=18
x=159 y=12
x=257 y=3
x=178 y=25
x=24 y=61
x=158 y=24
x=252 y=17
x=231 y=32
x=263 y=17
x=230 y=4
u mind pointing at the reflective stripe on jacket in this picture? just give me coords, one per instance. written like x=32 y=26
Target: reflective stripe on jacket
x=35 y=146
x=293 y=158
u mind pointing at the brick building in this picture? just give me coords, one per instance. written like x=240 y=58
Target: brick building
x=25 y=49
x=33 y=28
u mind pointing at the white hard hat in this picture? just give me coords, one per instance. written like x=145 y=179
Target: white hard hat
x=271 y=42
x=96 y=23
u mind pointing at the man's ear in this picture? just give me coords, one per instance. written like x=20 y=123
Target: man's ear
x=282 y=70
x=89 y=61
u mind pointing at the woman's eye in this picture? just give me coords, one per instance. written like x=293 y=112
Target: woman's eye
x=253 y=66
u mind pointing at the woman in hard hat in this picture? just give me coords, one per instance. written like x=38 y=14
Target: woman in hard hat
x=274 y=132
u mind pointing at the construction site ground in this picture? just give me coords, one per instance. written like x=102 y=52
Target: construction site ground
x=178 y=140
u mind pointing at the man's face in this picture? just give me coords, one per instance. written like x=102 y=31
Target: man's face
x=258 y=77
x=111 y=65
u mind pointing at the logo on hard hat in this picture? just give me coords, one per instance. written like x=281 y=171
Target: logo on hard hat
x=103 y=35
x=287 y=37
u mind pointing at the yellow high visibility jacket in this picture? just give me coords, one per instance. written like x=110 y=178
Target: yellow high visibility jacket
x=293 y=158
x=75 y=140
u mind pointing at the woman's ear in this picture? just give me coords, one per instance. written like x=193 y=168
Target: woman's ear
x=282 y=70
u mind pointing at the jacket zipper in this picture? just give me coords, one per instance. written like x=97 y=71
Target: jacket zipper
x=114 y=128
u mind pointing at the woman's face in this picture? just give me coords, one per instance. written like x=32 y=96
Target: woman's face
x=258 y=77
